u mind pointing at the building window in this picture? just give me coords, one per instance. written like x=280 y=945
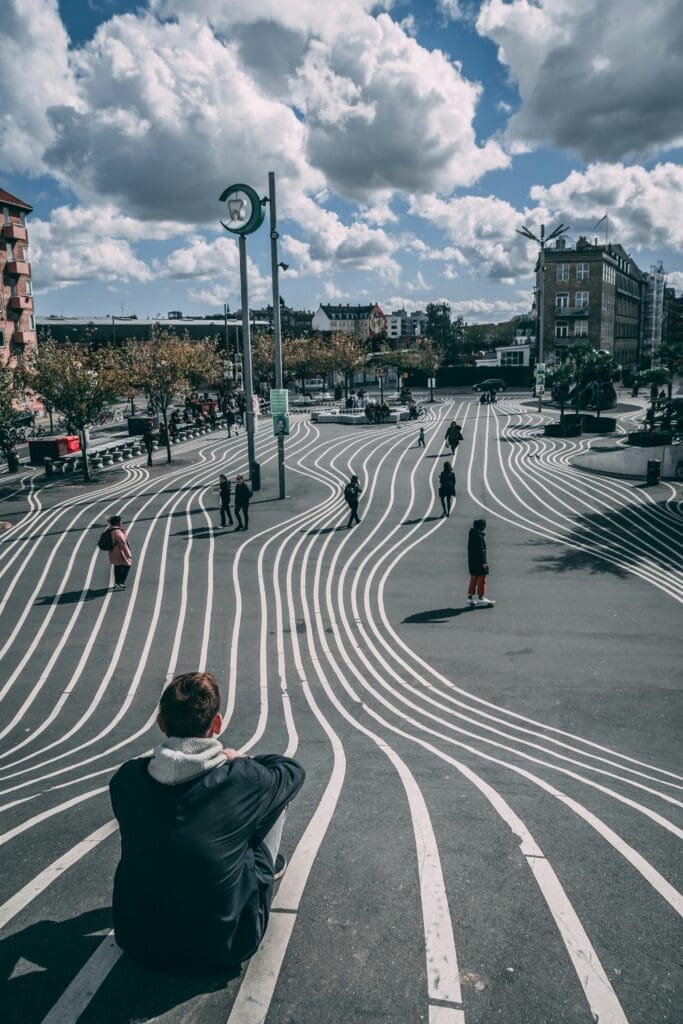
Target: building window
x=582 y=271
x=511 y=358
x=581 y=329
x=561 y=300
x=581 y=299
x=561 y=329
x=31 y=322
x=5 y=215
x=562 y=272
x=8 y=250
x=29 y=287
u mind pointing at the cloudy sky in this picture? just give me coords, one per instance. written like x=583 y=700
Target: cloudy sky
x=409 y=139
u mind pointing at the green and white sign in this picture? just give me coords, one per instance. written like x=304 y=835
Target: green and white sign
x=279 y=401
x=245 y=209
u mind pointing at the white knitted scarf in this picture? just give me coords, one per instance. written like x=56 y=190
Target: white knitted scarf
x=179 y=759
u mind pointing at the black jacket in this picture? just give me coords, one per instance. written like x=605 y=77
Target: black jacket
x=242 y=495
x=476 y=552
x=226 y=493
x=446 y=483
x=193 y=887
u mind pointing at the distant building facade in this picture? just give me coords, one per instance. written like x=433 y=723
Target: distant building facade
x=363 y=322
x=594 y=294
x=17 y=317
x=404 y=328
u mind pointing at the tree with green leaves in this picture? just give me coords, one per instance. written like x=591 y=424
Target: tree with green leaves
x=78 y=381
x=10 y=394
x=167 y=366
x=347 y=355
x=670 y=355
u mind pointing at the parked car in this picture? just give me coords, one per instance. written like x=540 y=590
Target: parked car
x=313 y=384
x=489 y=385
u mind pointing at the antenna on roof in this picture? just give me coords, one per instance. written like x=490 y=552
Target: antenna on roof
x=604 y=220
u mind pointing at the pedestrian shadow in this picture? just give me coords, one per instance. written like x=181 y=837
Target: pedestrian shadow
x=198 y=532
x=420 y=519
x=73 y=596
x=435 y=615
x=326 y=529
x=39 y=962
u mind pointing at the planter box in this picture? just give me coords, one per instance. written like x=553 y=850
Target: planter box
x=562 y=429
x=601 y=425
x=649 y=439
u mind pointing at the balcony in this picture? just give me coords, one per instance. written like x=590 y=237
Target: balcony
x=20 y=302
x=572 y=310
x=21 y=337
x=15 y=232
x=18 y=268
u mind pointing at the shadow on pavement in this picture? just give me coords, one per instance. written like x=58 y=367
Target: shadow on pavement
x=73 y=596
x=436 y=615
x=421 y=519
x=39 y=962
x=630 y=525
x=327 y=529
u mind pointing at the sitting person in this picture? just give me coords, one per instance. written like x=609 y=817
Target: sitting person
x=200 y=833
x=412 y=411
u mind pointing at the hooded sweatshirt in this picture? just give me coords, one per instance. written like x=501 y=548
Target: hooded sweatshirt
x=193 y=887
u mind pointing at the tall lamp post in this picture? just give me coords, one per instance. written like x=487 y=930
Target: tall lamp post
x=245 y=215
x=541 y=242
x=277 y=330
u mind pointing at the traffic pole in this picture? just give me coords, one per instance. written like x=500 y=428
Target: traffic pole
x=277 y=325
x=246 y=352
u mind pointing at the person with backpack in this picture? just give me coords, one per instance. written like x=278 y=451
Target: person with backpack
x=352 y=493
x=114 y=541
x=453 y=437
x=478 y=566
x=225 y=491
x=446 y=488
x=243 y=496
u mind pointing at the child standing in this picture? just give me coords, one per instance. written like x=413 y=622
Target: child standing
x=478 y=566
x=421 y=438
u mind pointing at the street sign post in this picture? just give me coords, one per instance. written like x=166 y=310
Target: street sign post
x=431 y=384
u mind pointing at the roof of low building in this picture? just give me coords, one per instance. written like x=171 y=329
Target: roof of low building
x=7 y=197
x=348 y=312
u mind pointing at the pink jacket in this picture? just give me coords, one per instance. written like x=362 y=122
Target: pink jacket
x=120 y=554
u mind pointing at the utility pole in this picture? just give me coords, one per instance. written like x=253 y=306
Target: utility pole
x=277 y=326
x=254 y=471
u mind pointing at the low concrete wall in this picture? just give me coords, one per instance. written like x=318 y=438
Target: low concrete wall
x=631 y=461
x=358 y=419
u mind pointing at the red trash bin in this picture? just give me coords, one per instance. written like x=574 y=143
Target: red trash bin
x=73 y=443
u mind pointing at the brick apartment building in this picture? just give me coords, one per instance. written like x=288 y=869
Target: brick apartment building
x=17 y=319
x=594 y=294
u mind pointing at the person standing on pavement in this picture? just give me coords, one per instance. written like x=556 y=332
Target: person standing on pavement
x=421 y=438
x=225 y=491
x=148 y=444
x=352 y=493
x=453 y=436
x=242 y=498
x=120 y=555
x=230 y=420
x=446 y=488
x=478 y=566
x=201 y=829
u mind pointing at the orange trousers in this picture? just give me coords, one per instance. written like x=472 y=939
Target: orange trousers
x=478 y=584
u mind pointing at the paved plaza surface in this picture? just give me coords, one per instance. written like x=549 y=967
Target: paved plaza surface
x=490 y=827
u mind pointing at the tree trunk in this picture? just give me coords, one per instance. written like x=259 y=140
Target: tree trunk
x=164 y=412
x=49 y=412
x=84 y=455
x=562 y=408
x=132 y=405
x=598 y=403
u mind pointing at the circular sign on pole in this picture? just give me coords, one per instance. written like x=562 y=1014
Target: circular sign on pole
x=245 y=209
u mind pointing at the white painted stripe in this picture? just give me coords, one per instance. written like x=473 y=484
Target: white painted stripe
x=256 y=992
x=23 y=897
x=445 y=1015
x=44 y=815
x=76 y=996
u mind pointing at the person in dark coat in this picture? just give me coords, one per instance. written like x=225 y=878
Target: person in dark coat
x=242 y=498
x=478 y=566
x=453 y=436
x=230 y=420
x=148 y=443
x=446 y=488
x=225 y=491
x=200 y=835
x=352 y=493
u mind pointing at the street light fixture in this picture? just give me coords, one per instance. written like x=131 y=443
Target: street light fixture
x=561 y=229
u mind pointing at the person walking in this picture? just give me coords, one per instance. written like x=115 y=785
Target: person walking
x=446 y=488
x=225 y=491
x=478 y=566
x=453 y=437
x=148 y=444
x=230 y=420
x=352 y=493
x=201 y=828
x=119 y=553
x=243 y=496
x=421 y=438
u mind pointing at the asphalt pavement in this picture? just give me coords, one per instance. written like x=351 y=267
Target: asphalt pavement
x=490 y=828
